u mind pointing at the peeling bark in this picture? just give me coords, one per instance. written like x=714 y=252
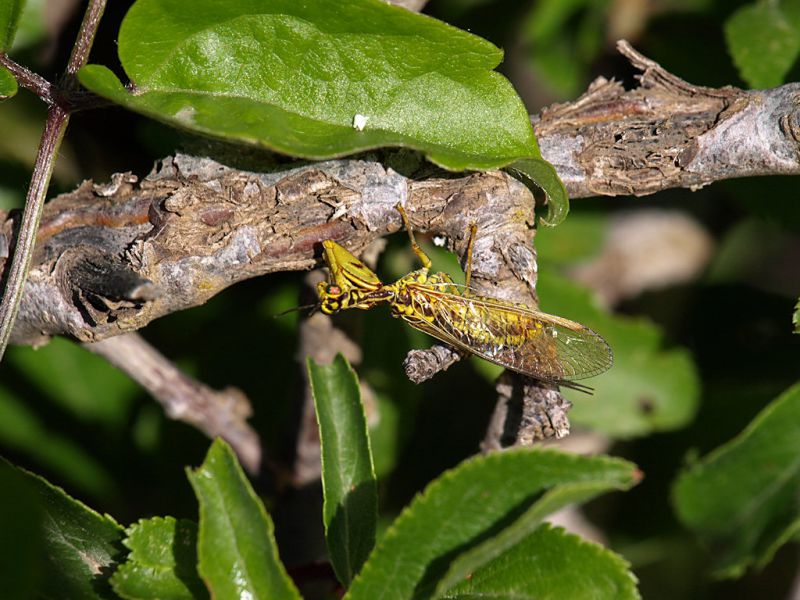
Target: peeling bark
x=668 y=133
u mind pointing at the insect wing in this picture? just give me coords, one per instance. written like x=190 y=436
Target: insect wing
x=530 y=342
x=346 y=270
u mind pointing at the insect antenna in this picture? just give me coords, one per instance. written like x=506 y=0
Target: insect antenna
x=313 y=307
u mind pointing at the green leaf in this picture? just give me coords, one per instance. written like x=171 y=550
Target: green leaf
x=551 y=564
x=81 y=382
x=236 y=542
x=350 y=511
x=549 y=18
x=10 y=11
x=648 y=389
x=21 y=528
x=577 y=239
x=791 y=10
x=8 y=84
x=467 y=506
x=564 y=38
x=297 y=77
x=22 y=430
x=796 y=317
x=34 y=24
x=544 y=176
x=82 y=546
x=162 y=562
x=549 y=502
x=763 y=44
x=743 y=496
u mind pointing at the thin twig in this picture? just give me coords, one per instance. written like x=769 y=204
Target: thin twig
x=83 y=44
x=29 y=80
x=55 y=126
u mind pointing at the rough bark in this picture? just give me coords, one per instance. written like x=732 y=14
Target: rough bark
x=668 y=133
x=111 y=258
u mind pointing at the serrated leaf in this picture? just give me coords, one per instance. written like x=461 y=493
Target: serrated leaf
x=549 y=502
x=162 y=562
x=319 y=79
x=551 y=564
x=20 y=528
x=542 y=174
x=350 y=511
x=742 y=497
x=8 y=84
x=10 y=11
x=763 y=44
x=81 y=545
x=648 y=388
x=467 y=506
x=236 y=542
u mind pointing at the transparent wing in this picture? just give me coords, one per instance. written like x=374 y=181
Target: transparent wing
x=530 y=342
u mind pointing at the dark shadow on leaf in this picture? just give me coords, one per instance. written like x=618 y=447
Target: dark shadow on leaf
x=358 y=503
x=184 y=552
x=439 y=566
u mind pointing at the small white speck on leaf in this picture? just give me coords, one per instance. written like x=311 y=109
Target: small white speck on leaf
x=359 y=122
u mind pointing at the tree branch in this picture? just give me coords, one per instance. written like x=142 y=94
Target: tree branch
x=668 y=133
x=111 y=258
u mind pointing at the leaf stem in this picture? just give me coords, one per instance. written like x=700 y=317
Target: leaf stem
x=55 y=126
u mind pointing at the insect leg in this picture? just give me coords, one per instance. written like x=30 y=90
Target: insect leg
x=423 y=258
x=473 y=229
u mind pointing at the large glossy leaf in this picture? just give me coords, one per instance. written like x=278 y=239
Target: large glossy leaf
x=350 y=510
x=238 y=557
x=10 y=12
x=743 y=497
x=319 y=79
x=81 y=546
x=162 y=564
x=551 y=564
x=466 y=507
x=763 y=43
x=649 y=388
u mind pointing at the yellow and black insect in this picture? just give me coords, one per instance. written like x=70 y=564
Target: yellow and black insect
x=536 y=344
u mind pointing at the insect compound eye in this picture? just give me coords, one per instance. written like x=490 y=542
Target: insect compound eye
x=331 y=299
